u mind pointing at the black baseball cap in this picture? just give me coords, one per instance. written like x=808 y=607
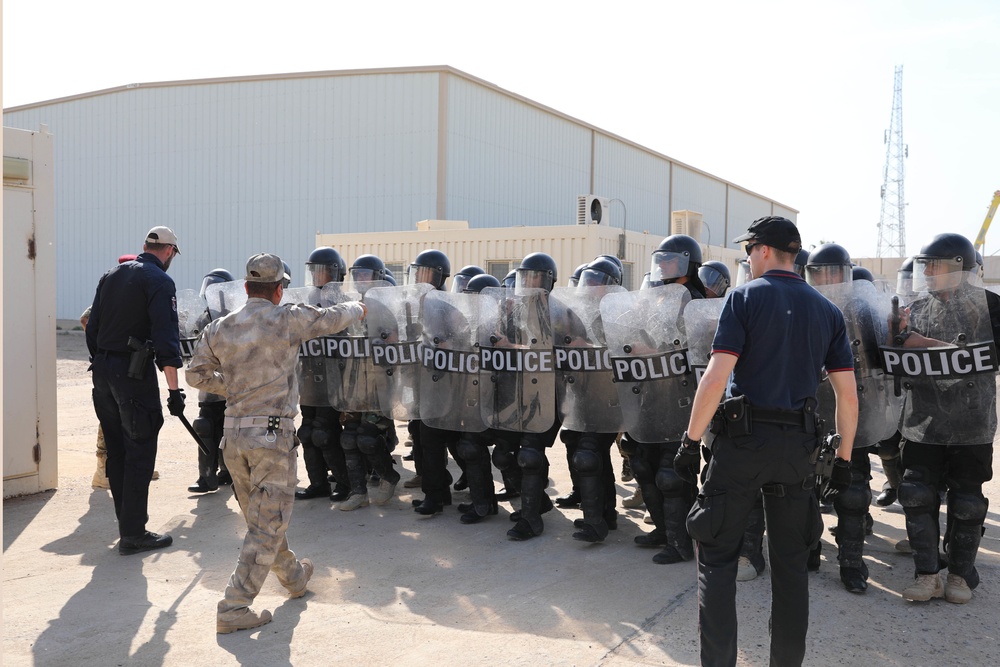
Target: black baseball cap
x=775 y=231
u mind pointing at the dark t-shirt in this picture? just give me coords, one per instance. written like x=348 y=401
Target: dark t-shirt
x=784 y=333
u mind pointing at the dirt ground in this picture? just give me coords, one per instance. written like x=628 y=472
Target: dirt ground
x=394 y=588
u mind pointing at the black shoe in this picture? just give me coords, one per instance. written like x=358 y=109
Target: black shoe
x=339 y=493
x=587 y=533
x=311 y=492
x=429 y=507
x=201 y=486
x=462 y=484
x=465 y=507
x=145 y=542
x=408 y=457
x=669 y=556
x=225 y=479
x=653 y=539
x=547 y=506
x=521 y=531
x=472 y=516
x=569 y=501
x=508 y=494
x=854 y=580
x=886 y=498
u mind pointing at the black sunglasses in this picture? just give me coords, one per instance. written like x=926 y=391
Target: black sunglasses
x=751 y=246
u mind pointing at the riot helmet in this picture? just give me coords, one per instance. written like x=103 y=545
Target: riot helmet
x=536 y=270
x=212 y=277
x=829 y=264
x=461 y=279
x=861 y=273
x=431 y=267
x=904 y=278
x=574 y=279
x=801 y=259
x=677 y=256
x=601 y=271
x=982 y=265
x=944 y=263
x=715 y=276
x=325 y=265
x=478 y=283
x=287 y=279
x=367 y=268
x=510 y=279
x=615 y=259
x=389 y=277
x=647 y=283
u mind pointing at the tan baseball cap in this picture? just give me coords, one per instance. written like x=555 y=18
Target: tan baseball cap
x=162 y=235
x=265 y=268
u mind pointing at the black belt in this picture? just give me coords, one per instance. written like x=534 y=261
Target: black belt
x=803 y=419
x=113 y=353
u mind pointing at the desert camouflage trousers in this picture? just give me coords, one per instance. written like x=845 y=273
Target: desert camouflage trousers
x=264 y=480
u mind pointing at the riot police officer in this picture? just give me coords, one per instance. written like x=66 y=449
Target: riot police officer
x=949 y=416
x=714 y=276
x=461 y=279
x=320 y=429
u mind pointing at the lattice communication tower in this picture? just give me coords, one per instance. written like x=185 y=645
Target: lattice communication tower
x=891 y=224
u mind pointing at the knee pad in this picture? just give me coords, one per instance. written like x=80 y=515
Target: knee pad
x=531 y=460
x=855 y=499
x=471 y=451
x=349 y=437
x=305 y=433
x=503 y=458
x=968 y=507
x=670 y=483
x=915 y=494
x=586 y=462
x=641 y=469
x=370 y=443
x=320 y=436
x=202 y=426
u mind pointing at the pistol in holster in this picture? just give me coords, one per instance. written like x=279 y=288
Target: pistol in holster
x=138 y=361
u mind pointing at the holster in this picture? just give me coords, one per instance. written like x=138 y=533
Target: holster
x=734 y=417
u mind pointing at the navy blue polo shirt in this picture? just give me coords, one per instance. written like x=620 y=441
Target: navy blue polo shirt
x=784 y=333
x=137 y=299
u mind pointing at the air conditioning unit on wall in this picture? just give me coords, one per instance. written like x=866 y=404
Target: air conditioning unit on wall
x=591 y=210
x=686 y=222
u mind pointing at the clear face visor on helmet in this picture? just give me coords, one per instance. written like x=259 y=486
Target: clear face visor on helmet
x=828 y=274
x=318 y=275
x=595 y=278
x=423 y=274
x=668 y=266
x=937 y=275
x=208 y=282
x=459 y=283
x=528 y=278
x=713 y=280
x=904 y=283
x=743 y=273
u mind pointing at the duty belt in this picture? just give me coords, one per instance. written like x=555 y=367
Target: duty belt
x=804 y=419
x=272 y=424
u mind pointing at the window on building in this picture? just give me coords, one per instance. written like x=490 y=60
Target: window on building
x=628 y=271
x=499 y=268
x=398 y=271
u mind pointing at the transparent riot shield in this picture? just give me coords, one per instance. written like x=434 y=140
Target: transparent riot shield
x=949 y=385
x=394 y=330
x=449 y=360
x=517 y=386
x=224 y=298
x=586 y=396
x=311 y=368
x=649 y=356
x=192 y=318
x=701 y=319
x=351 y=372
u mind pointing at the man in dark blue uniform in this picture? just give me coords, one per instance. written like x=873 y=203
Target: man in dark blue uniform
x=133 y=323
x=775 y=336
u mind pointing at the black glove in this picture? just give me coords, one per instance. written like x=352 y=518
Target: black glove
x=175 y=403
x=840 y=479
x=687 y=463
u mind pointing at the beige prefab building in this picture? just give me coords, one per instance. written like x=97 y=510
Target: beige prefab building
x=500 y=249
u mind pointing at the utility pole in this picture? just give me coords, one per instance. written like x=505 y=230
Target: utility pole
x=891 y=224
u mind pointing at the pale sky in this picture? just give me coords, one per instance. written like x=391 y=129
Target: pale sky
x=788 y=99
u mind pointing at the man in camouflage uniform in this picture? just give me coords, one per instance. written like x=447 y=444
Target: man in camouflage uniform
x=249 y=357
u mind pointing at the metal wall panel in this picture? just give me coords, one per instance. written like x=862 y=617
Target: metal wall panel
x=511 y=163
x=744 y=208
x=236 y=168
x=639 y=180
x=694 y=191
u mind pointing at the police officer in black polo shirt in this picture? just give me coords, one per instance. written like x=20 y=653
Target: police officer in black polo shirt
x=775 y=335
x=133 y=324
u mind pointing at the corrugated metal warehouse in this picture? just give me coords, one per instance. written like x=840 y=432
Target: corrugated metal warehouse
x=265 y=163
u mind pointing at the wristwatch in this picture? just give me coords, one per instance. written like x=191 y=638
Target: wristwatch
x=689 y=442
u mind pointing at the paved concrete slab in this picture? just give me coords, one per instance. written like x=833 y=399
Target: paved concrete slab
x=394 y=588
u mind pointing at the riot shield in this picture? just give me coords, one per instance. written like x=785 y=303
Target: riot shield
x=949 y=387
x=701 y=319
x=192 y=317
x=586 y=396
x=224 y=298
x=649 y=356
x=394 y=331
x=311 y=368
x=517 y=386
x=350 y=369
x=449 y=360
